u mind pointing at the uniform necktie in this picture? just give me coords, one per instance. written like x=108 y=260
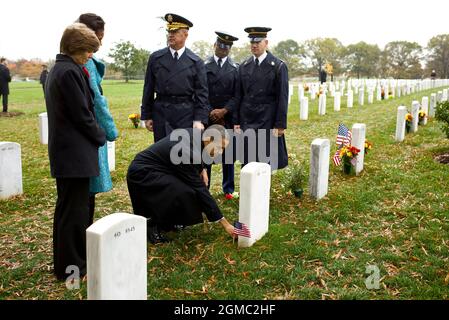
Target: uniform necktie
x=257 y=62
x=175 y=56
x=219 y=62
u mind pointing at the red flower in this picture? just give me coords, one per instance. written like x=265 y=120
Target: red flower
x=86 y=72
x=229 y=196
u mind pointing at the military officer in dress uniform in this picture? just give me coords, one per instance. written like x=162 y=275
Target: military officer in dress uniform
x=178 y=77
x=263 y=102
x=223 y=82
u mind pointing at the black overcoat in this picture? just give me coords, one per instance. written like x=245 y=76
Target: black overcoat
x=170 y=193
x=73 y=133
x=5 y=79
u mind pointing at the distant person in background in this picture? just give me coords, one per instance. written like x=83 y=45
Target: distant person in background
x=433 y=75
x=5 y=79
x=74 y=137
x=323 y=75
x=43 y=77
x=96 y=69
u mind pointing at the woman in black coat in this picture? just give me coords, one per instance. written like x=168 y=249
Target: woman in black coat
x=168 y=191
x=73 y=140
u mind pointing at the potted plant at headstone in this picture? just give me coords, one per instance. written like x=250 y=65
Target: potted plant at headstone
x=422 y=116
x=348 y=155
x=135 y=119
x=408 y=122
x=442 y=115
x=368 y=146
x=296 y=180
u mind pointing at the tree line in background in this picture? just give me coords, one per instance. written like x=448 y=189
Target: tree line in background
x=399 y=59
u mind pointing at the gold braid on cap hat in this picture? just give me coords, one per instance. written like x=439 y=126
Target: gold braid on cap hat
x=176 y=25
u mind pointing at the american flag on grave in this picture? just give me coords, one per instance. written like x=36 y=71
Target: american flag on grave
x=241 y=229
x=344 y=137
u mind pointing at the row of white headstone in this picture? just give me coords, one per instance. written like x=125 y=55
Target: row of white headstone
x=304 y=101
x=440 y=96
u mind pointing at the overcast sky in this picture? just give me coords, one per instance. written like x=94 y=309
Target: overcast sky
x=32 y=29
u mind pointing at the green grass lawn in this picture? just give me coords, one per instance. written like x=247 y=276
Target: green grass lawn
x=395 y=215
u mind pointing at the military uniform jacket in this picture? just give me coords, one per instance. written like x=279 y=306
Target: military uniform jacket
x=264 y=99
x=181 y=92
x=224 y=87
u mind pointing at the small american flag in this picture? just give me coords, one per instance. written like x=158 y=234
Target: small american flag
x=344 y=135
x=336 y=158
x=241 y=229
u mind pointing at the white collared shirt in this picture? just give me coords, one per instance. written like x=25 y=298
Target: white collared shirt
x=261 y=58
x=180 y=52
x=223 y=60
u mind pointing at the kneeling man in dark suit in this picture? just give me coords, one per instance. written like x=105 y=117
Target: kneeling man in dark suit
x=167 y=182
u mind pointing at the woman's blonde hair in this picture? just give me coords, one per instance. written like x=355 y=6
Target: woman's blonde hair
x=78 y=38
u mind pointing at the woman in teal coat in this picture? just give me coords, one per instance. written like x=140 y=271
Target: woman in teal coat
x=96 y=69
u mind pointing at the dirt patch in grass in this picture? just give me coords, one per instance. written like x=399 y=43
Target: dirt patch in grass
x=443 y=158
x=10 y=114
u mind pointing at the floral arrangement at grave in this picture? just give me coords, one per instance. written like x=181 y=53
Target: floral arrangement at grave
x=135 y=119
x=421 y=116
x=320 y=92
x=348 y=155
x=408 y=122
x=306 y=88
x=295 y=177
x=382 y=93
x=368 y=146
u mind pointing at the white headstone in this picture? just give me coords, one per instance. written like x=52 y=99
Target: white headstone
x=425 y=108
x=322 y=104
x=379 y=93
x=142 y=124
x=111 y=155
x=445 y=95
x=400 y=124
x=433 y=104
x=350 y=99
x=117 y=258
x=319 y=168
x=304 y=109
x=439 y=96
x=358 y=141
x=300 y=92
x=337 y=101
x=10 y=170
x=254 y=208
x=361 y=97
x=43 y=128
x=415 y=116
x=370 y=97
x=398 y=91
